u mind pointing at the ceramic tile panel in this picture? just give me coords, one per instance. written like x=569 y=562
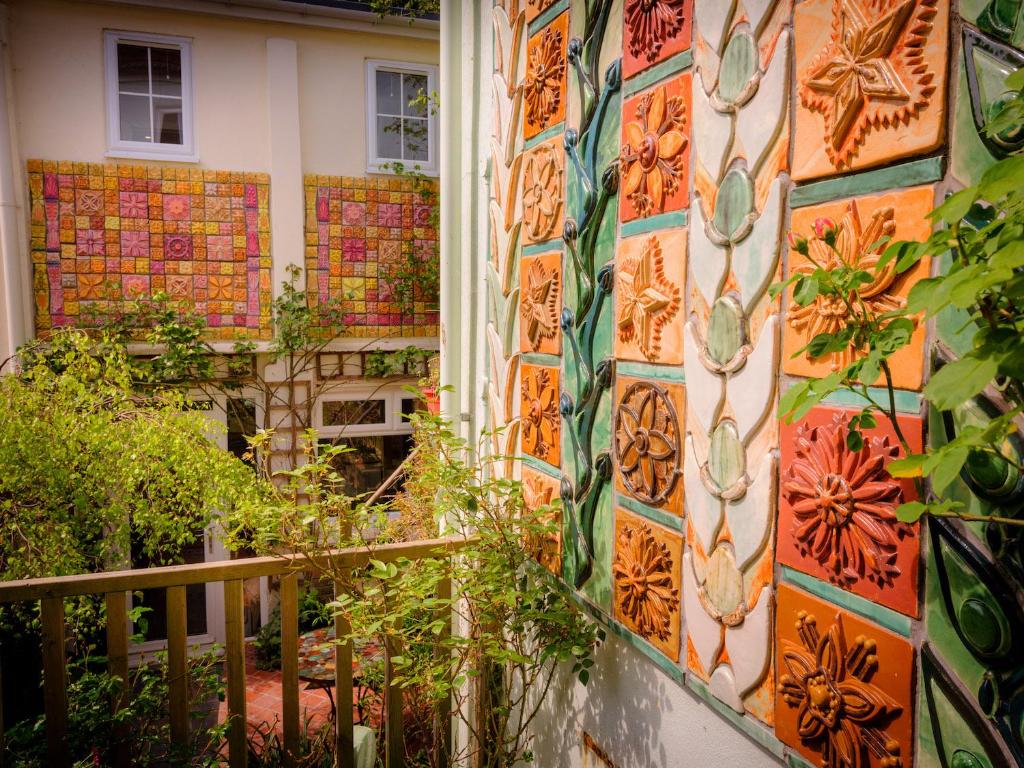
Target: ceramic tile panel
x=654 y=31
x=103 y=235
x=358 y=233
x=837 y=512
x=649 y=277
x=862 y=221
x=535 y=8
x=540 y=491
x=870 y=82
x=844 y=688
x=543 y=204
x=648 y=441
x=540 y=303
x=655 y=155
x=646 y=575
x=540 y=422
x=544 y=84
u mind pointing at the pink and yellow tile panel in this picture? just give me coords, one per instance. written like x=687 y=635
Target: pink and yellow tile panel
x=359 y=232
x=105 y=234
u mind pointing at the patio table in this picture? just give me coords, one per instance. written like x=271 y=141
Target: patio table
x=316 y=666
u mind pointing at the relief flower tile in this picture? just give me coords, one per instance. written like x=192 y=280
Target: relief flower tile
x=543 y=192
x=650 y=271
x=655 y=154
x=843 y=698
x=901 y=215
x=540 y=302
x=646 y=573
x=647 y=441
x=541 y=423
x=541 y=490
x=545 y=81
x=871 y=82
x=653 y=31
x=837 y=510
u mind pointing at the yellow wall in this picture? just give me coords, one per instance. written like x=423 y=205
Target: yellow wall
x=57 y=55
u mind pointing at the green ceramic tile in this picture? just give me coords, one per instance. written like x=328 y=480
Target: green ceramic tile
x=879 y=614
x=646 y=370
x=546 y=16
x=906 y=175
x=658 y=72
x=906 y=401
x=652 y=223
x=651 y=513
x=550 y=245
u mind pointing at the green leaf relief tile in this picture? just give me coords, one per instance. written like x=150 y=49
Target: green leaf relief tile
x=738 y=65
x=726 y=457
x=734 y=202
x=725 y=330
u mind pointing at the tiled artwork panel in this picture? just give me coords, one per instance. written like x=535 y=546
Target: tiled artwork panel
x=102 y=235
x=358 y=232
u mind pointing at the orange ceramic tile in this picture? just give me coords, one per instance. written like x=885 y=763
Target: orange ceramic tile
x=546 y=70
x=540 y=302
x=541 y=490
x=540 y=426
x=837 y=510
x=648 y=441
x=543 y=192
x=871 y=82
x=844 y=690
x=647 y=573
x=655 y=156
x=653 y=31
x=862 y=221
x=650 y=271
x=535 y=8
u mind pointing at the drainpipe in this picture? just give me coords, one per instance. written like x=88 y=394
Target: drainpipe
x=14 y=322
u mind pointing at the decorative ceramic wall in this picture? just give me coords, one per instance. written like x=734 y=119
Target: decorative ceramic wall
x=358 y=232
x=102 y=235
x=642 y=195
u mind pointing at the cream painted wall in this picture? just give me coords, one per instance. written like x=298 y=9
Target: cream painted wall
x=57 y=52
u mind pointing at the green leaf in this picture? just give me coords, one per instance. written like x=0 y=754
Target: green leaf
x=806 y=291
x=955 y=207
x=960 y=380
x=949 y=465
x=910 y=512
x=908 y=466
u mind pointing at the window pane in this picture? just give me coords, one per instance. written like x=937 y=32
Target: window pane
x=135 y=124
x=167 y=119
x=166 y=63
x=389 y=138
x=413 y=86
x=389 y=93
x=342 y=413
x=417 y=140
x=133 y=68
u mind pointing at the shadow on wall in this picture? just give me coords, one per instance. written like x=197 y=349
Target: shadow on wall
x=640 y=717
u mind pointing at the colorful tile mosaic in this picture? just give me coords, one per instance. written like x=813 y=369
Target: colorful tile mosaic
x=871 y=82
x=541 y=422
x=653 y=31
x=546 y=71
x=650 y=274
x=358 y=232
x=837 y=512
x=105 y=234
x=844 y=690
x=540 y=303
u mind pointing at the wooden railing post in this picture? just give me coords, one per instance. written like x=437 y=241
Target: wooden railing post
x=344 y=741
x=234 y=630
x=55 y=680
x=444 y=707
x=117 y=664
x=290 y=666
x=394 y=744
x=177 y=670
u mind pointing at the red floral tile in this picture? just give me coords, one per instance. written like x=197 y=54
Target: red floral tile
x=655 y=156
x=844 y=690
x=654 y=30
x=837 y=510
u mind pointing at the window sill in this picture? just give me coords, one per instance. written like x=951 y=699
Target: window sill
x=385 y=169
x=170 y=157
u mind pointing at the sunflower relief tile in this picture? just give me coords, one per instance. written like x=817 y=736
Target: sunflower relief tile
x=545 y=80
x=871 y=82
x=844 y=688
x=653 y=31
x=861 y=222
x=543 y=203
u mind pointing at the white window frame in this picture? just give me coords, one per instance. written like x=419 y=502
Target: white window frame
x=375 y=163
x=393 y=424
x=145 y=150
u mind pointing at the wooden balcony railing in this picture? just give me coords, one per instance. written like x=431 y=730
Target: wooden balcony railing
x=115 y=586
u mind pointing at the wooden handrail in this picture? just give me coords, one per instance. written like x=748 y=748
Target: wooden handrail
x=115 y=587
x=203 y=573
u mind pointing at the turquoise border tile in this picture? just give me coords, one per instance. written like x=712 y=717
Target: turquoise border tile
x=545 y=135
x=795 y=761
x=546 y=247
x=651 y=223
x=541 y=358
x=541 y=466
x=748 y=725
x=651 y=513
x=906 y=401
x=886 y=617
x=672 y=373
x=659 y=71
x=547 y=16
x=906 y=175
